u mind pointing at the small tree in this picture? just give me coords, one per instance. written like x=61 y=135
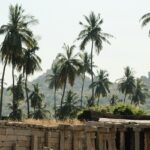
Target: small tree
x=140 y=94
x=127 y=84
x=54 y=81
x=101 y=85
x=37 y=103
x=70 y=106
x=18 y=97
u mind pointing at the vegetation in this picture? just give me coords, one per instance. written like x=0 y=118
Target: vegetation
x=92 y=32
x=127 y=83
x=70 y=106
x=18 y=92
x=19 y=50
x=101 y=85
x=69 y=66
x=85 y=68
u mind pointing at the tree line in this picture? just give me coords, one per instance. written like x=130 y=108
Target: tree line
x=19 y=50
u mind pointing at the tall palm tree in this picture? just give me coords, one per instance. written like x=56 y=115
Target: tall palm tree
x=30 y=63
x=127 y=84
x=140 y=94
x=92 y=32
x=16 y=34
x=85 y=68
x=54 y=82
x=145 y=19
x=101 y=85
x=69 y=65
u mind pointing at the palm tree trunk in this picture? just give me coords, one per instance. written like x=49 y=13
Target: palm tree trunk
x=63 y=93
x=55 y=102
x=125 y=97
x=98 y=101
x=82 y=89
x=13 y=84
x=27 y=97
x=92 y=98
x=2 y=88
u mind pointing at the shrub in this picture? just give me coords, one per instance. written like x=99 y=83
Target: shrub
x=127 y=109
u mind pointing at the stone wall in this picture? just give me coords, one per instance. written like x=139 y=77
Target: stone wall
x=102 y=135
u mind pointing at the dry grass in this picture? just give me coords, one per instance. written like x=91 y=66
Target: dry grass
x=53 y=122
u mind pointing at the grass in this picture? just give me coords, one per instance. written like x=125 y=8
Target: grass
x=52 y=122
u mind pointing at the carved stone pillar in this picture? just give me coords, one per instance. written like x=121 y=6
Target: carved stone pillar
x=90 y=137
x=65 y=137
x=111 y=138
x=146 y=140
x=101 y=138
x=122 y=138
x=106 y=138
x=78 y=135
x=34 y=143
x=137 y=138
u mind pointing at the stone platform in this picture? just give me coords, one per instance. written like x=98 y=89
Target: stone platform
x=105 y=134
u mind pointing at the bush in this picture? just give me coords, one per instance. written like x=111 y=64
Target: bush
x=121 y=110
x=127 y=109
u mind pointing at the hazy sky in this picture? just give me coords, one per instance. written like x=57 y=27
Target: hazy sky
x=59 y=23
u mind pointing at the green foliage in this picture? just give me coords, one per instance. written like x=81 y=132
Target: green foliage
x=16 y=115
x=69 y=65
x=101 y=85
x=41 y=113
x=70 y=106
x=18 y=92
x=127 y=109
x=108 y=110
x=126 y=84
x=92 y=32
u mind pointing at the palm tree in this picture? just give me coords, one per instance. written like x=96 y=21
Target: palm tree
x=85 y=68
x=18 y=91
x=127 y=83
x=114 y=99
x=145 y=19
x=16 y=34
x=30 y=63
x=69 y=107
x=36 y=97
x=101 y=85
x=37 y=103
x=140 y=94
x=92 y=32
x=69 y=66
x=54 y=82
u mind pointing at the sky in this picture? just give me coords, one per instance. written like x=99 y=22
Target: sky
x=59 y=24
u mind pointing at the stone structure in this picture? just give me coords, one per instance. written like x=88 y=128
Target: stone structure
x=107 y=134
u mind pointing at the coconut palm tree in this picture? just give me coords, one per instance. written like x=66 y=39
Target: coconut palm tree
x=85 y=68
x=92 y=32
x=140 y=94
x=101 y=85
x=16 y=33
x=30 y=64
x=145 y=19
x=69 y=65
x=70 y=106
x=54 y=82
x=36 y=97
x=127 y=84
x=19 y=96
